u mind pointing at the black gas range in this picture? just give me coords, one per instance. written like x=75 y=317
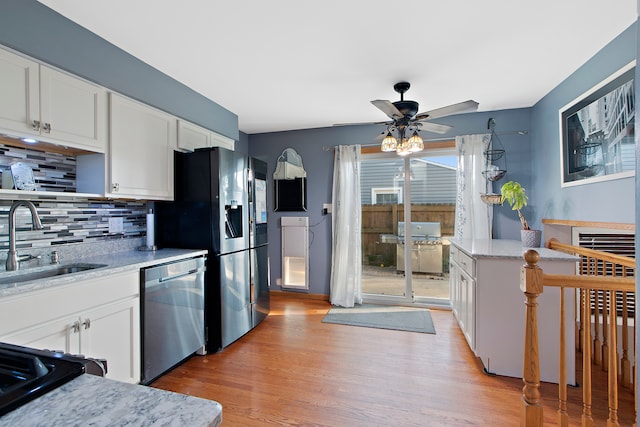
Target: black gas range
x=27 y=373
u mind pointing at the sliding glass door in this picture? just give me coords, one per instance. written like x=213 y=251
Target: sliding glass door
x=408 y=210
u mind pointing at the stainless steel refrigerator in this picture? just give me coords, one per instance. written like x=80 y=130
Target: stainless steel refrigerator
x=211 y=211
x=258 y=241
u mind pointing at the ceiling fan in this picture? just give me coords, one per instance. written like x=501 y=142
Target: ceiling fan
x=404 y=116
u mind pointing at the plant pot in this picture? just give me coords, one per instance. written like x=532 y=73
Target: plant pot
x=531 y=238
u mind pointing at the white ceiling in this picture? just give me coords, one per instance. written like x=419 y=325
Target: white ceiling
x=292 y=64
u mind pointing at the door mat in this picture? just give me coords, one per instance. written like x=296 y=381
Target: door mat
x=383 y=317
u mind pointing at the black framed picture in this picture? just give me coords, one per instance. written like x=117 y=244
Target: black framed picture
x=597 y=131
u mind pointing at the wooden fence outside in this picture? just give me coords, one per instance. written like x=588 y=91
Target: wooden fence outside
x=383 y=219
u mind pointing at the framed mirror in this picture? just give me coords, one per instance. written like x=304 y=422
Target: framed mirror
x=290 y=183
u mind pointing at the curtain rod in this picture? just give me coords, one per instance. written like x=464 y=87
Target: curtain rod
x=426 y=141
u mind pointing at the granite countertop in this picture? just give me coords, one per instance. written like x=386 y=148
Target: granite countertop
x=501 y=248
x=89 y=400
x=115 y=262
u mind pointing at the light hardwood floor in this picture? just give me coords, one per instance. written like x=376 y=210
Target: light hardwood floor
x=294 y=370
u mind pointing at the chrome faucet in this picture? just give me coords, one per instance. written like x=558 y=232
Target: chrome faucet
x=12 y=256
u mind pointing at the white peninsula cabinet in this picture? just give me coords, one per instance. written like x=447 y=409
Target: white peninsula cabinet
x=141 y=144
x=97 y=317
x=40 y=102
x=490 y=307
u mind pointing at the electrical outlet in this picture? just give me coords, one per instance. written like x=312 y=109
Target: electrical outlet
x=116 y=225
x=279 y=281
x=326 y=208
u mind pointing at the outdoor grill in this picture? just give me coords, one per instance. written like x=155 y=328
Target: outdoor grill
x=426 y=247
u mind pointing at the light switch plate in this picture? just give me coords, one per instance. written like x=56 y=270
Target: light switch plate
x=116 y=224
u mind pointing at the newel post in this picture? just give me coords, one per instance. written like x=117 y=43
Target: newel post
x=531 y=283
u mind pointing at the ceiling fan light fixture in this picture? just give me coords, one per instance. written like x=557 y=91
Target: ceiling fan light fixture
x=415 y=143
x=389 y=143
x=403 y=147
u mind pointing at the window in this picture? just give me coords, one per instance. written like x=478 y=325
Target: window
x=386 y=196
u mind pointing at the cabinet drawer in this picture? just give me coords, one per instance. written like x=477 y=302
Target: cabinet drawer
x=466 y=262
x=32 y=308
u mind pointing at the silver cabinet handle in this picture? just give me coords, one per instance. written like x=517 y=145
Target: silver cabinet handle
x=47 y=127
x=86 y=323
x=75 y=327
x=35 y=124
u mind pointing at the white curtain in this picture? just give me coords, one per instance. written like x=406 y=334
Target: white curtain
x=474 y=218
x=346 y=254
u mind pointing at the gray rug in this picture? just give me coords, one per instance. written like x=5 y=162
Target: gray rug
x=384 y=317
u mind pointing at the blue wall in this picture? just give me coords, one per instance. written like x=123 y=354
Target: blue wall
x=315 y=146
x=532 y=159
x=35 y=30
x=612 y=200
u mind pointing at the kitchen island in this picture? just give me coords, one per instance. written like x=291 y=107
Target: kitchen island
x=490 y=307
x=97 y=401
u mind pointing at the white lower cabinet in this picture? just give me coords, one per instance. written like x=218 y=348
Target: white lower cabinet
x=96 y=318
x=463 y=294
x=490 y=307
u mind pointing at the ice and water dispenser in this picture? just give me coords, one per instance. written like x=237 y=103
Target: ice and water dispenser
x=233 y=222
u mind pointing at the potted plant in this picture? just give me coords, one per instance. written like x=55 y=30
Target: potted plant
x=515 y=194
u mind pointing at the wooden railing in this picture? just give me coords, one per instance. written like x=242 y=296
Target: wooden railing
x=603 y=285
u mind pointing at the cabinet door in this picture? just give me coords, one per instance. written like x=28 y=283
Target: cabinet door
x=468 y=308
x=217 y=140
x=191 y=136
x=112 y=332
x=454 y=289
x=58 y=335
x=142 y=140
x=72 y=110
x=19 y=86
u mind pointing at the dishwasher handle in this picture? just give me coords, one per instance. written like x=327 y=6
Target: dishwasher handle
x=177 y=276
x=173 y=270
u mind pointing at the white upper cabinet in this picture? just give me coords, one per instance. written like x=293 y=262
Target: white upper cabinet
x=50 y=105
x=141 y=144
x=191 y=136
x=73 y=110
x=20 y=88
x=218 y=140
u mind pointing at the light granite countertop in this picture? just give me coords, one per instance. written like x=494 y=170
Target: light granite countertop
x=114 y=262
x=502 y=248
x=96 y=401
x=89 y=400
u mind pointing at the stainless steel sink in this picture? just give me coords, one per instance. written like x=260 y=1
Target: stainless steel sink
x=44 y=274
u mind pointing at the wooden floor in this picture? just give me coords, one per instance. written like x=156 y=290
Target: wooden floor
x=294 y=370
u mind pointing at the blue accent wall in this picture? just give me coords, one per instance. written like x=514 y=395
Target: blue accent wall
x=35 y=30
x=610 y=201
x=316 y=147
x=532 y=159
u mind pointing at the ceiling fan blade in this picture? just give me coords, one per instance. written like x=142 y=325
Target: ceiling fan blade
x=434 y=127
x=388 y=108
x=362 y=123
x=380 y=136
x=461 y=107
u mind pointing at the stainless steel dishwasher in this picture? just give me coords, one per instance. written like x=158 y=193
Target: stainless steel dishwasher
x=172 y=315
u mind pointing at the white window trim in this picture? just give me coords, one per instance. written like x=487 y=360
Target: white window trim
x=385 y=190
